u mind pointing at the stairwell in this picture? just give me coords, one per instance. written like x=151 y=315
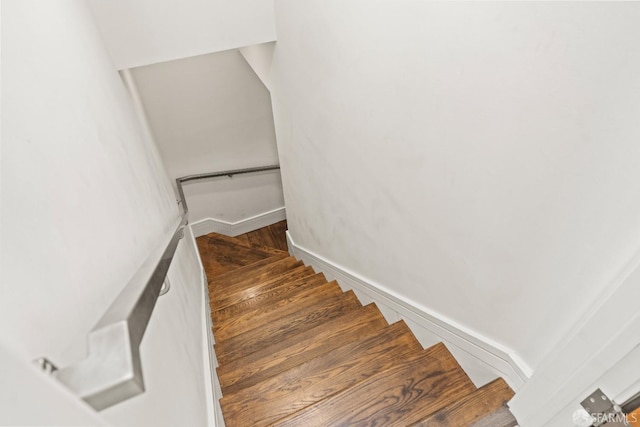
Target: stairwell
x=294 y=349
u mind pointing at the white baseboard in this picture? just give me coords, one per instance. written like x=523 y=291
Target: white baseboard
x=212 y=225
x=481 y=358
x=212 y=388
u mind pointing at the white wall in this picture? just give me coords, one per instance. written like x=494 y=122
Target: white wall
x=476 y=158
x=24 y=388
x=174 y=373
x=212 y=113
x=603 y=352
x=84 y=199
x=143 y=32
x=260 y=57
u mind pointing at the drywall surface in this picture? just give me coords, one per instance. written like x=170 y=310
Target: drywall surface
x=85 y=198
x=142 y=32
x=477 y=158
x=259 y=57
x=171 y=350
x=25 y=387
x=212 y=113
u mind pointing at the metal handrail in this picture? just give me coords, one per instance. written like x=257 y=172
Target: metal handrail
x=229 y=173
x=112 y=372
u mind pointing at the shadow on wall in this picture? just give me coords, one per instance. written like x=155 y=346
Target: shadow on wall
x=213 y=113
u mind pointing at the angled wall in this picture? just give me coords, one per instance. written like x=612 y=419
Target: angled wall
x=212 y=113
x=260 y=57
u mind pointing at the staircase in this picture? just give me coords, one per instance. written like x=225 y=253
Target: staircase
x=295 y=350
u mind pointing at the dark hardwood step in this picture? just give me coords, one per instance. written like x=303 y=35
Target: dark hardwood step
x=244 y=271
x=273 y=235
x=251 y=290
x=268 y=314
x=485 y=407
x=238 y=244
x=226 y=285
x=399 y=396
x=221 y=254
x=288 y=353
x=316 y=379
x=284 y=327
x=273 y=296
x=267 y=285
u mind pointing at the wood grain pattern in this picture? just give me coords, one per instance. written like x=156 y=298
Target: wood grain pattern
x=284 y=327
x=266 y=299
x=295 y=350
x=266 y=314
x=398 y=396
x=283 y=355
x=221 y=254
x=273 y=236
x=321 y=377
x=482 y=407
x=222 y=288
x=264 y=285
x=242 y=273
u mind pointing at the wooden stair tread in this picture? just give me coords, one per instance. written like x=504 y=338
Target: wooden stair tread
x=251 y=290
x=222 y=254
x=399 y=396
x=273 y=236
x=484 y=407
x=267 y=314
x=306 y=318
x=318 y=378
x=294 y=351
x=272 y=296
x=251 y=274
x=244 y=271
x=240 y=243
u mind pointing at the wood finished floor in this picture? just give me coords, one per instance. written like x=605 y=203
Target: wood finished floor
x=221 y=254
x=295 y=350
x=273 y=236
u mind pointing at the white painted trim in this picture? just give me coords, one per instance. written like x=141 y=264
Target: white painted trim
x=212 y=225
x=214 y=412
x=606 y=333
x=496 y=357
